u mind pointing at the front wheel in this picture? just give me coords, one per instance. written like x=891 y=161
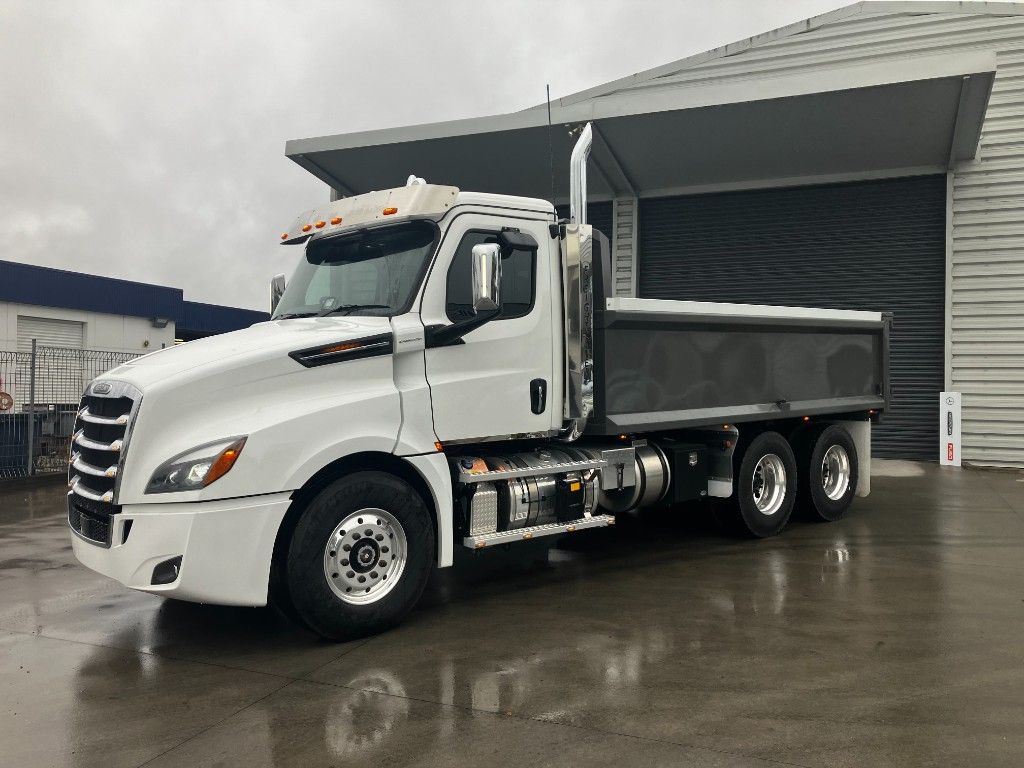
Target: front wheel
x=360 y=556
x=765 y=488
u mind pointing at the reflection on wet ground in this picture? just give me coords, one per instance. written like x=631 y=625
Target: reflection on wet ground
x=891 y=638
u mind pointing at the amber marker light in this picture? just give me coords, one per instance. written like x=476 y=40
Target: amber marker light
x=336 y=221
x=307 y=227
x=389 y=211
x=438 y=446
x=348 y=346
x=320 y=224
x=284 y=235
x=224 y=462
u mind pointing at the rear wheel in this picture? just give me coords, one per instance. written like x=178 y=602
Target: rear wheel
x=360 y=556
x=829 y=482
x=765 y=487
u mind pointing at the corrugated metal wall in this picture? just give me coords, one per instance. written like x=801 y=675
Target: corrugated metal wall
x=60 y=288
x=196 y=319
x=877 y=245
x=987 y=275
x=47 y=287
x=624 y=235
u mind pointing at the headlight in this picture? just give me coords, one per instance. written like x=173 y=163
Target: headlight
x=196 y=468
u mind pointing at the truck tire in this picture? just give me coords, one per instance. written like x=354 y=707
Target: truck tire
x=765 y=488
x=828 y=481
x=360 y=556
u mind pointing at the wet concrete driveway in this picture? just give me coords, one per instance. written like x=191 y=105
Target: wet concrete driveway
x=895 y=637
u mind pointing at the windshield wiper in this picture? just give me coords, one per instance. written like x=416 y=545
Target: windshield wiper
x=292 y=315
x=347 y=308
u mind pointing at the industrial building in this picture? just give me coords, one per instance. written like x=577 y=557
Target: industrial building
x=82 y=325
x=73 y=310
x=867 y=158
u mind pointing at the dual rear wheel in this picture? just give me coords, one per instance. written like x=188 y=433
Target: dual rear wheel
x=819 y=478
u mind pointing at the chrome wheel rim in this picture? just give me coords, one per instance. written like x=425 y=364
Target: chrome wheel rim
x=835 y=472
x=768 y=484
x=365 y=555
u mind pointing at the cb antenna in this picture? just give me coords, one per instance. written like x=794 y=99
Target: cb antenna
x=551 y=151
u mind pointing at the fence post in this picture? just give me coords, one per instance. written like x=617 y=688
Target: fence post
x=32 y=410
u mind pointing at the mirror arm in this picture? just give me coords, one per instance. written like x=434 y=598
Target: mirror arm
x=446 y=335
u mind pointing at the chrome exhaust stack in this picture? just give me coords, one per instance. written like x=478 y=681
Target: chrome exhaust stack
x=577 y=283
x=578 y=176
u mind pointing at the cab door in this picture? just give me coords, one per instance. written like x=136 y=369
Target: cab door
x=498 y=381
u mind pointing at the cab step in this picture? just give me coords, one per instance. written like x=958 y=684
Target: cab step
x=482 y=540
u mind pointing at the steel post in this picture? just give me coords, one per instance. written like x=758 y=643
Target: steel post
x=32 y=410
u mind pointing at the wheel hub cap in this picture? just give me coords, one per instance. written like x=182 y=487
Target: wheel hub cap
x=835 y=472
x=769 y=484
x=365 y=555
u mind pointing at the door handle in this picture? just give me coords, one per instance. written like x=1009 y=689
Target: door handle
x=538 y=395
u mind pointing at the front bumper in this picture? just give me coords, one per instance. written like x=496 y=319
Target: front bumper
x=226 y=548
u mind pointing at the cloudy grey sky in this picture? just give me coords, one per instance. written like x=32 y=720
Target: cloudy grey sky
x=144 y=139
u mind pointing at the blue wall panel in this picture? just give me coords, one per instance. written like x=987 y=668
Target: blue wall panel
x=61 y=288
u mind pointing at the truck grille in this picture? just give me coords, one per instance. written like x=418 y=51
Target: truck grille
x=97 y=457
x=92 y=520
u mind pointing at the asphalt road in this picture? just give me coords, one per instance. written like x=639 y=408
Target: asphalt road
x=895 y=637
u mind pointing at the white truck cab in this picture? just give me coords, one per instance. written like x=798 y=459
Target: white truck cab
x=446 y=369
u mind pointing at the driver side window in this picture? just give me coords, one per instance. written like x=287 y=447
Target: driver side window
x=518 y=280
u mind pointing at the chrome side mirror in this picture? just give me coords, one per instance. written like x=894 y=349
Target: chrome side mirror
x=277 y=285
x=486 y=277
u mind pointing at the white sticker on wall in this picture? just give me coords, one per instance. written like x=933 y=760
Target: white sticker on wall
x=949 y=429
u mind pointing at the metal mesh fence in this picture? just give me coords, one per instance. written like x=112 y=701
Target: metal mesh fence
x=39 y=396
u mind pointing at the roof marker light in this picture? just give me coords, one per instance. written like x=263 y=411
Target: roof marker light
x=320 y=224
x=389 y=211
x=284 y=235
x=336 y=221
x=307 y=227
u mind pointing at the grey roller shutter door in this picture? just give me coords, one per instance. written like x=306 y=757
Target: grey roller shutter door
x=875 y=245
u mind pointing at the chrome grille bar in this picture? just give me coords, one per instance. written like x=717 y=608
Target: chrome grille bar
x=85 y=493
x=85 y=442
x=118 y=421
x=82 y=466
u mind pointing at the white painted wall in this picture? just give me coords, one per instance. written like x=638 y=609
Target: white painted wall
x=109 y=333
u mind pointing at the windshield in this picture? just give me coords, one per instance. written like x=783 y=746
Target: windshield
x=370 y=272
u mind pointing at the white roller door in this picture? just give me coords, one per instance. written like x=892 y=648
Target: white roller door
x=60 y=373
x=49 y=332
